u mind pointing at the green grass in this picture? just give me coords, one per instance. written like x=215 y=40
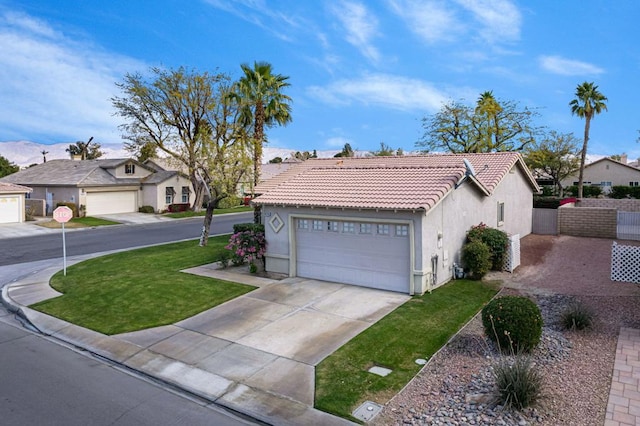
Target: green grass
x=138 y=289
x=417 y=329
x=190 y=213
x=93 y=221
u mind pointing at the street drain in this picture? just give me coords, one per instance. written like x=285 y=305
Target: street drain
x=367 y=411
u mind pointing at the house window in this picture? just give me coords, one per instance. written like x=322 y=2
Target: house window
x=130 y=169
x=349 y=227
x=402 y=230
x=365 y=228
x=332 y=226
x=168 y=195
x=303 y=224
x=500 y=214
x=633 y=183
x=317 y=225
x=383 y=229
x=605 y=183
x=27 y=195
x=185 y=194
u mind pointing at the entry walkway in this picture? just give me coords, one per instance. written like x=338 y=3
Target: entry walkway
x=624 y=398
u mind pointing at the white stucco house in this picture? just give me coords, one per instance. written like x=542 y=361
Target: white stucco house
x=393 y=223
x=104 y=186
x=607 y=173
x=12 y=202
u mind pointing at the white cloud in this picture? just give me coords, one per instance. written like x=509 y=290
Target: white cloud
x=500 y=19
x=361 y=27
x=430 y=20
x=385 y=90
x=337 y=142
x=59 y=88
x=564 y=66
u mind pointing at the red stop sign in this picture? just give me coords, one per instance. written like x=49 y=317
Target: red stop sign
x=62 y=214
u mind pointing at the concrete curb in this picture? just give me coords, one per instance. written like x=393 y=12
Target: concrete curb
x=236 y=397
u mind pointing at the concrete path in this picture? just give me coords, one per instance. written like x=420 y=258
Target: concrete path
x=255 y=354
x=623 y=408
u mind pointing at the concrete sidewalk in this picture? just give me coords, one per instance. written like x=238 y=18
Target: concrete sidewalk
x=255 y=354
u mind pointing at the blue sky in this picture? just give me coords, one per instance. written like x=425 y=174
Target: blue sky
x=361 y=72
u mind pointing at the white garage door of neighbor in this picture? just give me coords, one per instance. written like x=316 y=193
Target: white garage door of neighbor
x=364 y=254
x=111 y=202
x=9 y=209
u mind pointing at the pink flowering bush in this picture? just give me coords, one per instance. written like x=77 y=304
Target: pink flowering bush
x=247 y=246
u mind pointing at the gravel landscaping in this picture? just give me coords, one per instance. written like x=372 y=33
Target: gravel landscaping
x=456 y=386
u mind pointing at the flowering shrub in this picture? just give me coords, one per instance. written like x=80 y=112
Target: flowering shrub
x=247 y=246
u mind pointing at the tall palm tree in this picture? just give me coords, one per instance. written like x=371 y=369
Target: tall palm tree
x=588 y=102
x=265 y=106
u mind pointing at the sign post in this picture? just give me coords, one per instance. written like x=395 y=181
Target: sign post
x=62 y=215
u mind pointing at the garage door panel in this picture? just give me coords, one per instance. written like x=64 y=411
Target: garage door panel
x=111 y=202
x=10 y=209
x=369 y=260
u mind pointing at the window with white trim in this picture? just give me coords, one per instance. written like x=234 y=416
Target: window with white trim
x=130 y=169
x=500 y=214
x=633 y=183
x=185 y=194
x=317 y=225
x=365 y=228
x=402 y=230
x=383 y=229
x=168 y=195
x=332 y=226
x=303 y=224
x=348 y=227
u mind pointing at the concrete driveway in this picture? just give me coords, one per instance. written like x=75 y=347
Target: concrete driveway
x=272 y=338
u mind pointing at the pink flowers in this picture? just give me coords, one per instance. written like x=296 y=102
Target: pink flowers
x=248 y=245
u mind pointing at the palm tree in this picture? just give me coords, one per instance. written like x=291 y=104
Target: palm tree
x=265 y=106
x=588 y=102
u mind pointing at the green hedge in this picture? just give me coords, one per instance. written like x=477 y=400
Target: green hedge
x=241 y=227
x=621 y=191
x=72 y=206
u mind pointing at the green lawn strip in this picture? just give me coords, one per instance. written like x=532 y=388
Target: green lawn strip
x=93 y=221
x=189 y=213
x=138 y=289
x=417 y=329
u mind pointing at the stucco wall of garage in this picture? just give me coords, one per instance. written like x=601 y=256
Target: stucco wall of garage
x=278 y=244
x=69 y=194
x=149 y=196
x=465 y=207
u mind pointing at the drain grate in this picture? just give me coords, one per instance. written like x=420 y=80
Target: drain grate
x=367 y=411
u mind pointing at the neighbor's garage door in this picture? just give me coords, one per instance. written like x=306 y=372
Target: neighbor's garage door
x=363 y=254
x=111 y=202
x=9 y=209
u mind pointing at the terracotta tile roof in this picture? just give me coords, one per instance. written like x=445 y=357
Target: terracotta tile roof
x=407 y=182
x=10 y=188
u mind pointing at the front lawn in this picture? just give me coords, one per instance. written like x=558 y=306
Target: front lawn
x=189 y=213
x=414 y=330
x=138 y=289
x=79 y=222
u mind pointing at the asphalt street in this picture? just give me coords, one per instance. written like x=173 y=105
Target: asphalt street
x=94 y=240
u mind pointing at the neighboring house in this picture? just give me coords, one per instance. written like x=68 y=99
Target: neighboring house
x=104 y=186
x=12 y=202
x=393 y=223
x=606 y=173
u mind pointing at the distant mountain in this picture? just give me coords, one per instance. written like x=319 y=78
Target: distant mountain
x=25 y=153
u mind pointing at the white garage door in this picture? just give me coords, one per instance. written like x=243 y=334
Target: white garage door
x=111 y=202
x=9 y=209
x=364 y=254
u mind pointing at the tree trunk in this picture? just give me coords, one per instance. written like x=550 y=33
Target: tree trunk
x=583 y=154
x=206 y=226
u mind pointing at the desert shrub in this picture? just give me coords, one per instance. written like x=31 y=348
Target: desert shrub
x=518 y=382
x=229 y=202
x=241 y=227
x=513 y=322
x=577 y=317
x=147 y=209
x=621 y=191
x=72 y=206
x=495 y=239
x=476 y=257
x=588 y=191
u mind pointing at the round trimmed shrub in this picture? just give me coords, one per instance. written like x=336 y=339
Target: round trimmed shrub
x=497 y=241
x=476 y=257
x=513 y=322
